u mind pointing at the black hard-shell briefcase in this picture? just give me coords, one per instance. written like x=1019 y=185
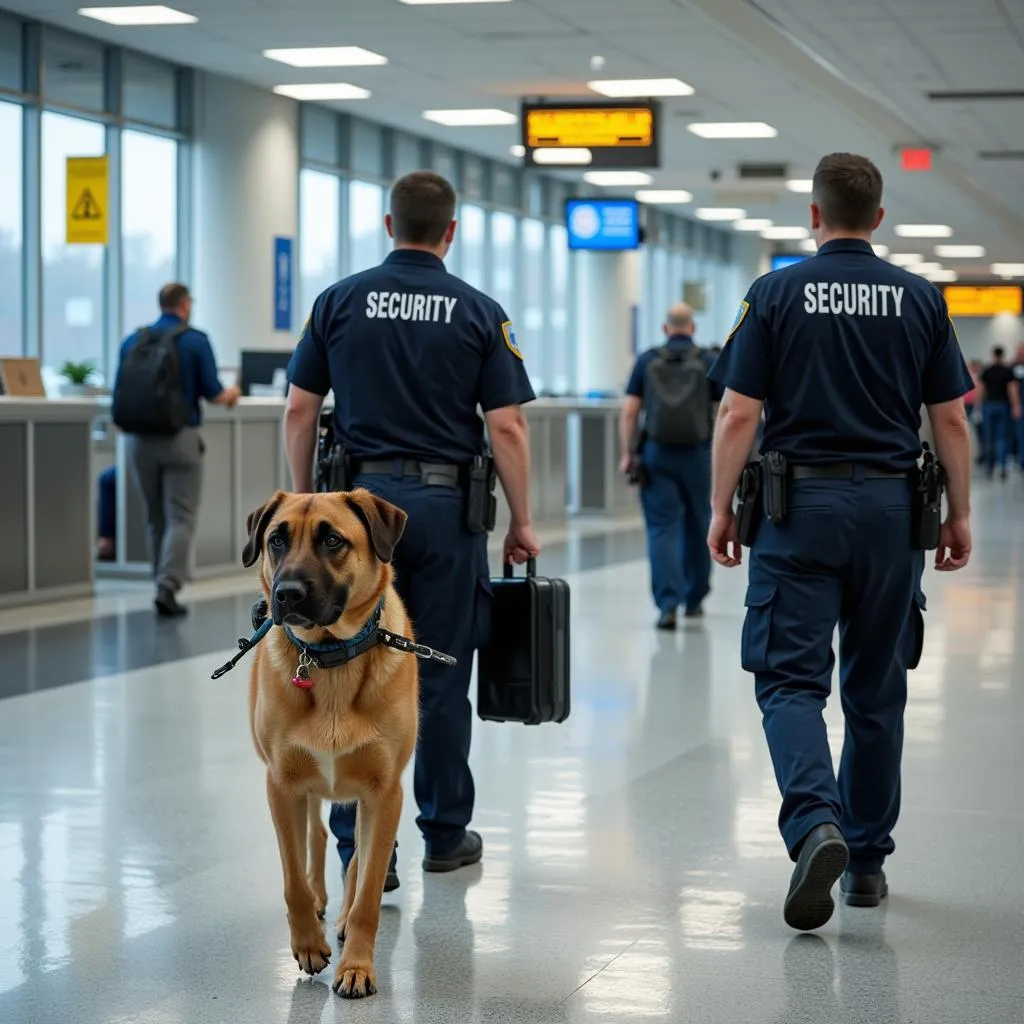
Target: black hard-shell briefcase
x=523 y=672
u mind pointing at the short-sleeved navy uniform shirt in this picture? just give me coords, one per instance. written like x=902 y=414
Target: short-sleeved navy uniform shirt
x=682 y=342
x=844 y=349
x=198 y=366
x=410 y=351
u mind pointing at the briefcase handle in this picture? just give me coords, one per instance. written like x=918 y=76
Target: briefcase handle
x=531 y=569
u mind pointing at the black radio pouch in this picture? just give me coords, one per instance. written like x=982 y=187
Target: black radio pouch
x=775 y=483
x=481 y=504
x=929 y=480
x=333 y=469
x=749 y=504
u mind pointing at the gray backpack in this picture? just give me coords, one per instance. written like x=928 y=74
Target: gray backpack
x=677 y=397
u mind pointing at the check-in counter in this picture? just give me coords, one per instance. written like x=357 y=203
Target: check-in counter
x=52 y=453
x=243 y=465
x=47 y=516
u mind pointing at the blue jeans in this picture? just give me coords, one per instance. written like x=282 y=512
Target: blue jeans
x=677 y=508
x=996 y=425
x=106 y=513
x=843 y=556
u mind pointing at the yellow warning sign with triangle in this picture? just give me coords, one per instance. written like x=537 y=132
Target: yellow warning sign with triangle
x=88 y=194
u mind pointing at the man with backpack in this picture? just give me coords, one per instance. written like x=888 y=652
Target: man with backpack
x=163 y=372
x=670 y=457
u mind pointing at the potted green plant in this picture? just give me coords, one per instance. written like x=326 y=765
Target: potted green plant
x=77 y=377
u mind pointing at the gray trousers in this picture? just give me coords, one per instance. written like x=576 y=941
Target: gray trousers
x=168 y=472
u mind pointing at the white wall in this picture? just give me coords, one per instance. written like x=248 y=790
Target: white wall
x=245 y=181
x=608 y=286
x=978 y=335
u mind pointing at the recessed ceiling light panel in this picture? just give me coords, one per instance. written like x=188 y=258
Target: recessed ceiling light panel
x=611 y=179
x=322 y=91
x=1007 y=269
x=732 y=130
x=961 y=252
x=664 y=196
x=327 y=57
x=151 y=14
x=924 y=230
x=567 y=157
x=905 y=259
x=803 y=185
x=753 y=224
x=470 y=117
x=720 y=213
x=640 y=88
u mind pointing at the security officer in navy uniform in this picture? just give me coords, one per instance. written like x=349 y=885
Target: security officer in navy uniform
x=410 y=352
x=841 y=351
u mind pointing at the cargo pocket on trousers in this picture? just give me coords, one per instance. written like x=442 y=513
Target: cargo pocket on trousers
x=915 y=630
x=482 y=612
x=757 y=626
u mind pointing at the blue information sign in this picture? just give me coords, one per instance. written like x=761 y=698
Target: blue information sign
x=606 y=224
x=284 y=266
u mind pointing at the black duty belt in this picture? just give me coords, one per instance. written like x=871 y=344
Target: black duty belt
x=846 y=471
x=432 y=474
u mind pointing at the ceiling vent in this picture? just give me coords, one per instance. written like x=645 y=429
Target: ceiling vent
x=1001 y=154
x=762 y=172
x=978 y=96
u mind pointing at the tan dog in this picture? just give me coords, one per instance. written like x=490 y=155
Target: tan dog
x=348 y=736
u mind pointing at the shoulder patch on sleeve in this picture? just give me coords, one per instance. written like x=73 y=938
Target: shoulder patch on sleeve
x=305 y=326
x=952 y=327
x=741 y=315
x=510 y=339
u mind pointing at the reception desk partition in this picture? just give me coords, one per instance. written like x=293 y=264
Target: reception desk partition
x=47 y=516
x=52 y=453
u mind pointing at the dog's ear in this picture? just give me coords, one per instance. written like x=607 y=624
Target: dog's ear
x=384 y=522
x=257 y=524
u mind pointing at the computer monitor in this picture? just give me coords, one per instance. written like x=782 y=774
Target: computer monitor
x=263 y=373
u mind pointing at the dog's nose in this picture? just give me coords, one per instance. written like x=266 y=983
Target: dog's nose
x=289 y=594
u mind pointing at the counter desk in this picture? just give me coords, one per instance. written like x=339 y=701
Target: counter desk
x=47 y=516
x=52 y=453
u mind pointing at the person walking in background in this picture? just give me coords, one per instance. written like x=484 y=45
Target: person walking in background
x=972 y=405
x=1018 y=375
x=672 y=463
x=1000 y=408
x=162 y=422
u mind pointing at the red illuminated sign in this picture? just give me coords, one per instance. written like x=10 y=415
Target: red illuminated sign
x=916 y=159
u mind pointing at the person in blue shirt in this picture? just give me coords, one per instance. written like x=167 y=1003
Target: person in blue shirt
x=168 y=469
x=411 y=353
x=841 y=351
x=675 y=479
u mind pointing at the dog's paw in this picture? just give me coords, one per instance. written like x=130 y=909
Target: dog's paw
x=311 y=954
x=355 y=981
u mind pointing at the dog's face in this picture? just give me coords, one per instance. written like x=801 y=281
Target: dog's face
x=322 y=553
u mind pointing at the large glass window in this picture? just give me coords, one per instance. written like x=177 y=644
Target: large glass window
x=366 y=235
x=503 y=265
x=472 y=240
x=531 y=327
x=558 y=340
x=150 y=91
x=149 y=222
x=10 y=230
x=73 y=325
x=319 y=247
x=74 y=70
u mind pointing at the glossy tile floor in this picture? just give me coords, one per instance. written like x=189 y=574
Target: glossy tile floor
x=632 y=870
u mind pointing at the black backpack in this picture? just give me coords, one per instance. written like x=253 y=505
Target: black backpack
x=677 y=397
x=148 y=396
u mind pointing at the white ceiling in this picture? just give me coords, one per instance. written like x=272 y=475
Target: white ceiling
x=829 y=74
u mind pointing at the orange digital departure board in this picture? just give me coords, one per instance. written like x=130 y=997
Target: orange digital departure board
x=983 y=300
x=589 y=127
x=615 y=133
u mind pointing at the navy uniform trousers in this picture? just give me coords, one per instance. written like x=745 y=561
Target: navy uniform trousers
x=844 y=555
x=441 y=574
x=677 y=510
